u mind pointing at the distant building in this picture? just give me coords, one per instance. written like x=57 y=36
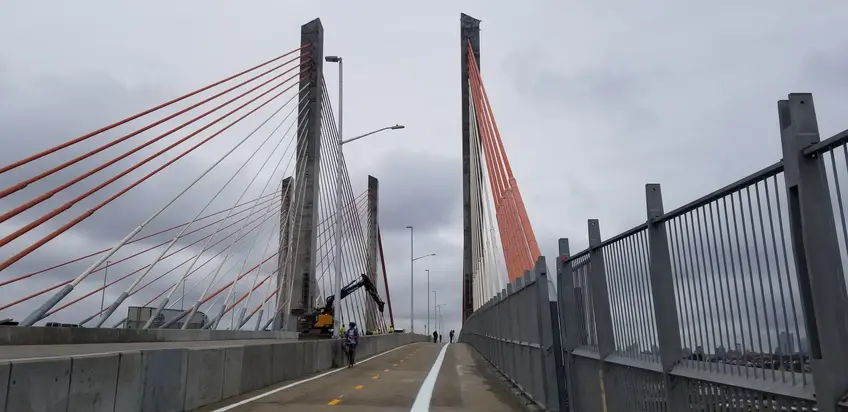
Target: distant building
x=137 y=316
x=805 y=346
x=786 y=343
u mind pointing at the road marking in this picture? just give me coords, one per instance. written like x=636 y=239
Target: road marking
x=293 y=384
x=401 y=361
x=375 y=377
x=395 y=364
x=360 y=386
x=385 y=370
x=422 y=400
x=333 y=402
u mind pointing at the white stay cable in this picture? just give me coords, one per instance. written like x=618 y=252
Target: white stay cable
x=220 y=225
x=227 y=256
x=39 y=313
x=233 y=286
x=123 y=296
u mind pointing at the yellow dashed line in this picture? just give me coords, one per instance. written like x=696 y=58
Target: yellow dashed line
x=333 y=402
x=360 y=386
x=375 y=377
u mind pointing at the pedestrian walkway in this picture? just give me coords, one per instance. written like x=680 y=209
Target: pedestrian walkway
x=389 y=382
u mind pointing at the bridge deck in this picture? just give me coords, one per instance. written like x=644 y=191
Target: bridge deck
x=389 y=382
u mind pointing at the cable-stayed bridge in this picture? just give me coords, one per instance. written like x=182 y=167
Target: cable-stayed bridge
x=240 y=227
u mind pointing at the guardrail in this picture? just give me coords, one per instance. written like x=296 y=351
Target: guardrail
x=736 y=301
x=170 y=379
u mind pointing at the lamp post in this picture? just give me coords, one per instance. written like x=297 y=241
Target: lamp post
x=435 y=320
x=339 y=192
x=338 y=234
x=438 y=311
x=427 y=328
x=412 y=260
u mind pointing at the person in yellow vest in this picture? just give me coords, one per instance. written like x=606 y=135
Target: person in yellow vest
x=391 y=329
x=341 y=331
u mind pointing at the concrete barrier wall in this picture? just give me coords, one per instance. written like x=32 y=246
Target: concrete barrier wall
x=73 y=336
x=170 y=380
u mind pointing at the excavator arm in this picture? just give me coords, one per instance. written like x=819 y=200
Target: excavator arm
x=322 y=319
x=351 y=287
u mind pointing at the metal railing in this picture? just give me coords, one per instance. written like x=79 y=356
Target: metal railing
x=734 y=302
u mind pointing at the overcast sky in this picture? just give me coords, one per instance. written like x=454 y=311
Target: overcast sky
x=593 y=99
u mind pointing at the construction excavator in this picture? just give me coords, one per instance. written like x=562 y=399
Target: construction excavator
x=319 y=322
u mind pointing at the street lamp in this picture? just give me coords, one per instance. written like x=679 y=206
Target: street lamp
x=439 y=316
x=427 y=326
x=435 y=320
x=412 y=259
x=339 y=179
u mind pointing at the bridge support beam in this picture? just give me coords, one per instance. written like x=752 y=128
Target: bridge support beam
x=470 y=32
x=372 y=314
x=307 y=171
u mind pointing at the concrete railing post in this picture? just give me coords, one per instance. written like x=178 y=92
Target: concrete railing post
x=602 y=316
x=665 y=303
x=816 y=250
x=568 y=322
x=550 y=350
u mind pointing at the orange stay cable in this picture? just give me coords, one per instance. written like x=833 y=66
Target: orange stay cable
x=26 y=182
x=245 y=295
x=46 y=195
x=223 y=288
x=71 y=142
x=91 y=211
x=528 y=233
x=505 y=222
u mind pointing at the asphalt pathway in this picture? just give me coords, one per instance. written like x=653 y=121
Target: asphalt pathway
x=417 y=377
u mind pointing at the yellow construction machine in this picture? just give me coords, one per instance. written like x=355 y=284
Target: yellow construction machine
x=319 y=322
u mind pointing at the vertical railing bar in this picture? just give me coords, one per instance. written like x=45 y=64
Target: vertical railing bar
x=717 y=283
x=770 y=279
x=839 y=195
x=581 y=302
x=788 y=279
x=742 y=270
x=639 y=308
x=725 y=251
x=703 y=237
x=631 y=329
x=642 y=254
x=686 y=335
x=684 y=275
x=760 y=272
x=703 y=338
x=617 y=300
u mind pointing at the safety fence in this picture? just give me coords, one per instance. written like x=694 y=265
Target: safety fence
x=734 y=302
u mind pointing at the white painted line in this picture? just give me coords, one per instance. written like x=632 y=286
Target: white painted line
x=293 y=384
x=422 y=401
